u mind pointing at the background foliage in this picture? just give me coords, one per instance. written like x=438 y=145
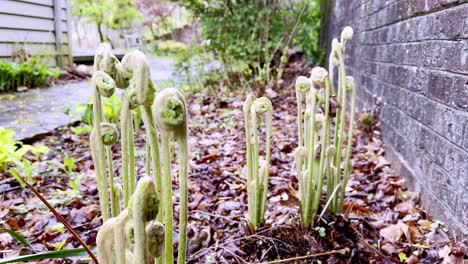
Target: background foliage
x=254 y=35
x=116 y=14
x=31 y=73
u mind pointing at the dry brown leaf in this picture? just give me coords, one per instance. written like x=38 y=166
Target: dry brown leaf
x=388 y=249
x=393 y=233
x=405 y=207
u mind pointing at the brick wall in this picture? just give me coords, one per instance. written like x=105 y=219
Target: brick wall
x=414 y=55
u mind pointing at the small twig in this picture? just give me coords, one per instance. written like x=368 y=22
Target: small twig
x=234 y=254
x=363 y=239
x=340 y=251
x=274 y=244
x=349 y=210
x=61 y=219
x=417 y=245
x=227 y=242
x=329 y=200
x=228 y=218
x=266 y=252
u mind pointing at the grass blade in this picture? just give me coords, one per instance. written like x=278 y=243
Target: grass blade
x=60 y=254
x=17 y=236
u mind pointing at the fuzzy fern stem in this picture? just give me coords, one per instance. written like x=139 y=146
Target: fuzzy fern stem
x=170 y=113
x=105 y=242
x=256 y=111
x=104 y=85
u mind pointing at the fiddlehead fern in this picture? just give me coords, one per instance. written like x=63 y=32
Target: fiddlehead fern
x=134 y=236
x=136 y=67
x=128 y=171
x=109 y=134
x=154 y=239
x=324 y=150
x=144 y=210
x=257 y=174
x=338 y=51
x=122 y=241
x=170 y=112
x=102 y=83
x=250 y=156
x=105 y=242
x=108 y=76
x=350 y=87
x=105 y=61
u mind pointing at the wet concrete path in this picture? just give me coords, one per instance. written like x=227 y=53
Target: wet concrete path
x=41 y=110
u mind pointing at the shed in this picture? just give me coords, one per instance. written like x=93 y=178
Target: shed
x=40 y=27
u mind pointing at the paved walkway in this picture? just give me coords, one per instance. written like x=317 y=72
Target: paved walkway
x=39 y=111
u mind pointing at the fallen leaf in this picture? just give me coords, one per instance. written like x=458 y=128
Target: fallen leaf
x=405 y=207
x=271 y=93
x=393 y=233
x=444 y=252
x=5 y=239
x=388 y=249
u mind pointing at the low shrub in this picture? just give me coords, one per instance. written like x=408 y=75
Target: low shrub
x=170 y=47
x=31 y=73
x=259 y=33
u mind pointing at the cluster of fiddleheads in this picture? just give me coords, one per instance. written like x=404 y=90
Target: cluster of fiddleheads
x=256 y=112
x=319 y=155
x=140 y=231
x=136 y=222
x=134 y=236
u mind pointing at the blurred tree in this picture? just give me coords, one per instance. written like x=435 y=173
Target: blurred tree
x=125 y=12
x=115 y=14
x=156 y=14
x=308 y=32
x=257 y=32
x=93 y=11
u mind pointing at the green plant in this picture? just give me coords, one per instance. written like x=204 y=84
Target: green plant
x=170 y=46
x=112 y=107
x=117 y=14
x=317 y=157
x=136 y=67
x=80 y=130
x=69 y=164
x=346 y=84
x=307 y=36
x=134 y=70
x=13 y=151
x=31 y=73
x=257 y=174
x=257 y=33
x=59 y=254
x=366 y=122
x=170 y=113
x=191 y=64
x=103 y=85
x=26 y=168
